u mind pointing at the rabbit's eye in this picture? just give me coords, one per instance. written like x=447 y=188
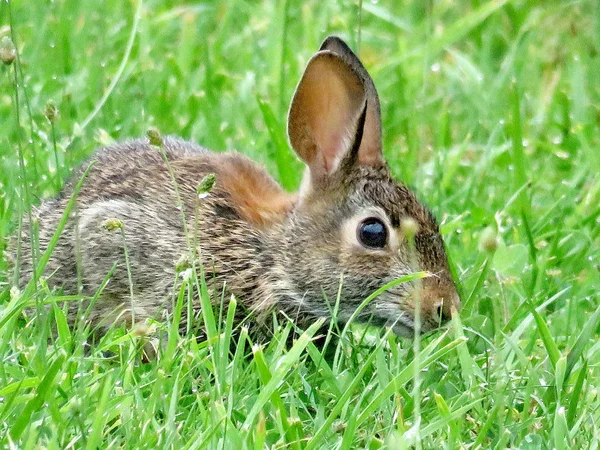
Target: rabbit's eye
x=372 y=233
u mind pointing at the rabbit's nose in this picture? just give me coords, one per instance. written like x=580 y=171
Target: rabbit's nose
x=445 y=307
x=439 y=304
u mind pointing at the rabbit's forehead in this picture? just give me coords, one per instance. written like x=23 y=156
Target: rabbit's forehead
x=396 y=200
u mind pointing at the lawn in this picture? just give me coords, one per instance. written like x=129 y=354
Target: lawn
x=491 y=111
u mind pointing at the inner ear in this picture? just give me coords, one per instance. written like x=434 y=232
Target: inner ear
x=370 y=152
x=325 y=115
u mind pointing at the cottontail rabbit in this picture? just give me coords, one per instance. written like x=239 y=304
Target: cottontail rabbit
x=274 y=251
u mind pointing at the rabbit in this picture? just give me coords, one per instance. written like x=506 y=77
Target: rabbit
x=276 y=252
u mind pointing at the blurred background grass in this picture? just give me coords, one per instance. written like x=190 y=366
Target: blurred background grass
x=490 y=110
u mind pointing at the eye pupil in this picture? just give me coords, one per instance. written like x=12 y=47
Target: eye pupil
x=372 y=233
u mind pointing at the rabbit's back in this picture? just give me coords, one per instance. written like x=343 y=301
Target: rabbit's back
x=136 y=215
x=130 y=168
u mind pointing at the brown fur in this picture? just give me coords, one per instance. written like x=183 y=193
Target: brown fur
x=276 y=252
x=258 y=198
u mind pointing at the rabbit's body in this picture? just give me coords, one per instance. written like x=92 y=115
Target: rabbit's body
x=232 y=240
x=274 y=251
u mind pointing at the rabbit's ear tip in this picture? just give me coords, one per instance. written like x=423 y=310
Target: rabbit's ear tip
x=336 y=45
x=331 y=39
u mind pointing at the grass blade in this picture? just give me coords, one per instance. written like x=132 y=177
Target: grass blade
x=547 y=338
x=576 y=394
x=586 y=335
x=44 y=389
x=284 y=160
x=407 y=374
x=280 y=372
x=95 y=437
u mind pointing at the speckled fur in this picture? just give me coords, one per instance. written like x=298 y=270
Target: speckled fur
x=276 y=252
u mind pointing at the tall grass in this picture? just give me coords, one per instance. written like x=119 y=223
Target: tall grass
x=490 y=110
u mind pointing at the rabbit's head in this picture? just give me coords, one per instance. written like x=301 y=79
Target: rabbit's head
x=348 y=228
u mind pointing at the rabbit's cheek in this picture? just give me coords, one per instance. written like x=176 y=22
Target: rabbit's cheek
x=368 y=263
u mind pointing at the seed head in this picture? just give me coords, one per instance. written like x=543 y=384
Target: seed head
x=206 y=185
x=154 y=137
x=8 y=52
x=51 y=111
x=488 y=241
x=409 y=227
x=183 y=263
x=14 y=293
x=112 y=224
x=187 y=274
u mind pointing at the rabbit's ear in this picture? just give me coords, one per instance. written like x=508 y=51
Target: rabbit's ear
x=327 y=114
x=370 y=152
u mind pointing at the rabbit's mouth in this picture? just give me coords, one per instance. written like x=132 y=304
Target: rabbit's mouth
x=389 y=312
x=401 y=329
x=405 y=329
x=403 y=325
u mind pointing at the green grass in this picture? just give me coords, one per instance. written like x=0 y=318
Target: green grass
x=491 y=110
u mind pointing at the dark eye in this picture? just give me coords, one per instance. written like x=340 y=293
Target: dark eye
x=372 y=233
